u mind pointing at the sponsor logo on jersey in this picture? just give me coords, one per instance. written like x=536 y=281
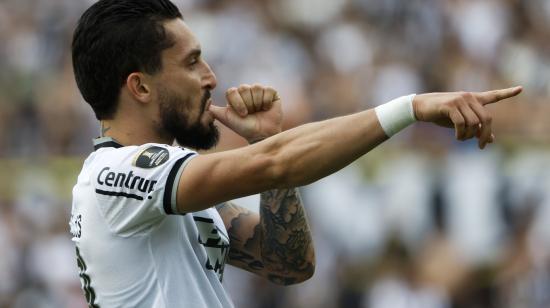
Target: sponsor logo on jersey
x=151 y=157
x=126 y=180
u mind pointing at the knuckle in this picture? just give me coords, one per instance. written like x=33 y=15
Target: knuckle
x=456 y=102
x=267 y=96
x=244 y=88
x=473 y=123
x=230 y=91
x=257 y=87
x=467 y=95
x=486 y=119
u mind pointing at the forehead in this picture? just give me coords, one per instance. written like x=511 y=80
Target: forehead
x=183 y=38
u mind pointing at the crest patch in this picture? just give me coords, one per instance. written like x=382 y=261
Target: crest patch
x=151 y=157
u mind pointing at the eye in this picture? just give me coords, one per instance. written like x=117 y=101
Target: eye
x=193 y=61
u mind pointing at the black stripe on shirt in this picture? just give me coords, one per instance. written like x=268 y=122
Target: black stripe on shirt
x=168 y=188
x=107 y=144
x=203 y=219
x=118 y=194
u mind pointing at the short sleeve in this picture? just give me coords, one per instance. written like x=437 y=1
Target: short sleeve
x=136 y=187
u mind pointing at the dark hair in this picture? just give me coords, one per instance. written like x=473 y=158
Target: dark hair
x=114 y=38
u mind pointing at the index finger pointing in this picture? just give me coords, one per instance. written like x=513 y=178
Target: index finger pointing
x=494 y=96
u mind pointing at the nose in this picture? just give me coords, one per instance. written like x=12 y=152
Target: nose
x=209 y=79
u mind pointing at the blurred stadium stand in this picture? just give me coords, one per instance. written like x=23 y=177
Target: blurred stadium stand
x=422 y=221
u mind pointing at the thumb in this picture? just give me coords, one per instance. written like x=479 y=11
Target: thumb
x=219 y=113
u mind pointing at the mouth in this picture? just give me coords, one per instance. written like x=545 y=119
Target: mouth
x=207 y=113
x=206 y=101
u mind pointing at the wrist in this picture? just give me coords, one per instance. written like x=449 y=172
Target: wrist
x=396 y=114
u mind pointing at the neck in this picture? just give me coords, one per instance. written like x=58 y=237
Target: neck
x=131 y=133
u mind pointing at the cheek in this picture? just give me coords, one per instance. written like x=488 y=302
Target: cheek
x=187 y=92
x=188 y=82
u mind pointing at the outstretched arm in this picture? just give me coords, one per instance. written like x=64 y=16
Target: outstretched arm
x=276 y=243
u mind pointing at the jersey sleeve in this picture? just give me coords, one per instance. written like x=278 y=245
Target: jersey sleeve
x=136 y=187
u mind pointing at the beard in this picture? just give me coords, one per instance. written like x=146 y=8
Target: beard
x=175 y=124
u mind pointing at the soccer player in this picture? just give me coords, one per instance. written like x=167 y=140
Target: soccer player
x=153 y=223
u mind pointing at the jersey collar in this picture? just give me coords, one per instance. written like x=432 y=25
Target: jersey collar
x=106 y=142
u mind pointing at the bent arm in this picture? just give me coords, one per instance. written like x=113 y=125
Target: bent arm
x=276 y=244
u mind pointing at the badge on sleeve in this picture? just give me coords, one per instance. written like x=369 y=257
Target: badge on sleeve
x=151 y=157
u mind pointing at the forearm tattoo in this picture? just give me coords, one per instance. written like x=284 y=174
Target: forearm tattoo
x=286 y=240
x=281 y=245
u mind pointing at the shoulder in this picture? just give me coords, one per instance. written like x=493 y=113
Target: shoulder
x=138 y=173
x=126 y=167
x=146 y=156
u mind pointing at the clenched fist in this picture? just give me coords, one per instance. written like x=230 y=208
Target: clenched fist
x=253 y=112
x=465 y=111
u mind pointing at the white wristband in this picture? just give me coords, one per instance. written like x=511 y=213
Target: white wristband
x=396 y=114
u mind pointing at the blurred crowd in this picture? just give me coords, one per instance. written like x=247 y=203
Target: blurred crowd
x=422 y=221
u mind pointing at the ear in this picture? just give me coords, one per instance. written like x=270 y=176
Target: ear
x=139 y=87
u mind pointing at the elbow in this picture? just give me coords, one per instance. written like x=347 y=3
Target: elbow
x=307 y=274
x=294 y=270
x=295 y=276
x=308 y=268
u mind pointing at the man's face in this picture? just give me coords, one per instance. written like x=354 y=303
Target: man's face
x=183 y=91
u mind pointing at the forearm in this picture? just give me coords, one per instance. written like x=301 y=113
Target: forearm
x=286 y=247
x=309 y=152
x=293 y=158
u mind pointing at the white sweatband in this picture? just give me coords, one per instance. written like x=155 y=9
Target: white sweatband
x=396 y=114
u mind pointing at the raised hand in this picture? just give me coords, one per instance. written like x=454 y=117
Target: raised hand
x=465 y=111
x=253 y=112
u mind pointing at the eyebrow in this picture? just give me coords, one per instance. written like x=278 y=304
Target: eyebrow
x=195 y=52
